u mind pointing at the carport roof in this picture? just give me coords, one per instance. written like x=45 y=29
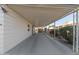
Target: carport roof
x=42 y=14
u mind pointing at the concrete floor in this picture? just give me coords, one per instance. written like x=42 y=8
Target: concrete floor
x=40 y=44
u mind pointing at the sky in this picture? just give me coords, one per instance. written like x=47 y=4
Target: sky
x=63 y=20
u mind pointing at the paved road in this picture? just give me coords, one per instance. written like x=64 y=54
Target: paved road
x=40 y=44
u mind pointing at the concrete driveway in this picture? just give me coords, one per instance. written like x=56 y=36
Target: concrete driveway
x=40 y=44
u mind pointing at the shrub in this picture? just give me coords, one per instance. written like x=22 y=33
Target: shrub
x=67 y=33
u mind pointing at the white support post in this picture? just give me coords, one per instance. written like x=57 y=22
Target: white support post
x=77 y=32
x=73 y=32
x=54 y=29
x=32 y=29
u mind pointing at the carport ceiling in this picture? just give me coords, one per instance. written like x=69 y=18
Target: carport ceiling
x=42 y=15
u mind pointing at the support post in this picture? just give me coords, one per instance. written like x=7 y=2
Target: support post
x=54 y=30
x=73 y=32
x=32 y=29
x=77 y=28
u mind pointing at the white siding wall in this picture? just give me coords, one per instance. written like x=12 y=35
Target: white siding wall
x=15 y=29
x=1 y=30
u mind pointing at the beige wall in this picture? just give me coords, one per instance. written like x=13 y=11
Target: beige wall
x=15 y=29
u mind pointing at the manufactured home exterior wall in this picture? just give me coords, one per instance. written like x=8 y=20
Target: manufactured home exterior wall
x=1 y=30
x=15 y=29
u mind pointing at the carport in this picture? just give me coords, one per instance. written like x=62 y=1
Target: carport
x=36 y=15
